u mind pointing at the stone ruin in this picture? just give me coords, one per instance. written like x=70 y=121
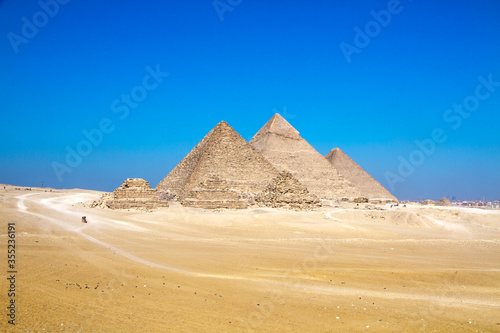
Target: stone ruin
x=428 y=202
x=444 y=202
x=360 y=200
x=134 y=193
x=213 y=193
x=285 y=191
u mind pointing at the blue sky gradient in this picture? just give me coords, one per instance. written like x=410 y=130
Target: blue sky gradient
x=262 y=57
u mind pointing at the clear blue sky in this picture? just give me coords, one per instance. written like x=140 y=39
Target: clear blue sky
x=65 y=70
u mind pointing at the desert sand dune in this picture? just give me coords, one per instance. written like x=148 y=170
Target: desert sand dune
x=180 y=269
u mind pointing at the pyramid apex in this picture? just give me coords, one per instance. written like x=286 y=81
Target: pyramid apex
x=335 y=151
x=277 y=117
x=278 y=125
x=223 y=125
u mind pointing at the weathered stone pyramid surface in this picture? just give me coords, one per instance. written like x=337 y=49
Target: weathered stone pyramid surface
x=287 y=192
x=282 y=145
x=135 y=188
x=224 y=153
x=133 y=193
x=444 y=202
x=277 y=125
x=213 y=193
x=366 y=184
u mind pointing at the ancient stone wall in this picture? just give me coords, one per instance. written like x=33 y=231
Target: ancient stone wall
x=136 y=204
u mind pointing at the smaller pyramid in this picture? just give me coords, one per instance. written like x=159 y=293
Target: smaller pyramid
x=279 y=126
x=366 y=184
x=285 y=191
x=444 y=202
x=134 y=193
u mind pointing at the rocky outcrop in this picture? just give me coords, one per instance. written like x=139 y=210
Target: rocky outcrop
x=213 y=193
x=134 y=193
x=285 y=191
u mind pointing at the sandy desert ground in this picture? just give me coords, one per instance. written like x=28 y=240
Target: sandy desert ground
x=342 y=268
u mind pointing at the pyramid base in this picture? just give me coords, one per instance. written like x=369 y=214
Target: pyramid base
x=214 y=204
x=135 y=204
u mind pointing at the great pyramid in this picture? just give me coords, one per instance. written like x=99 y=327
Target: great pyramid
x=366 y=184
x=224 y=154
x=282 y=145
